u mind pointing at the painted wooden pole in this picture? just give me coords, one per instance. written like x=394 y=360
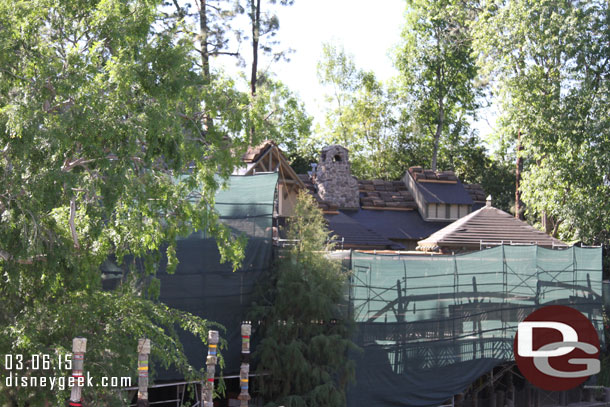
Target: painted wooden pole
x=143 y=352
x=244 y=396
x=79 y=347
x=208 y=389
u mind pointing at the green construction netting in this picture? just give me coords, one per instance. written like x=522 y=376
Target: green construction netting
x=205 y=287
x=429 y=326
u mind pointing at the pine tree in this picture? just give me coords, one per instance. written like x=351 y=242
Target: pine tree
x=304 y=324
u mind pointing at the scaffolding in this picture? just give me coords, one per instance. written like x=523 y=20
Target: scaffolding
x=428 y=314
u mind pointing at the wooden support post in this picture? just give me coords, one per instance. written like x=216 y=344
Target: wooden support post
x=143 y=352
x=510 y=393
x=528 y=393
x=208 y=390
x=501 y=398
x=244 y=396
x=458 y=400
x=491 y=396
x=79 y=347
x=563 y=397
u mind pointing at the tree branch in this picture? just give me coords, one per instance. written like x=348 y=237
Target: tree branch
x=72 y=226
x=68 y=166
x=6 y=256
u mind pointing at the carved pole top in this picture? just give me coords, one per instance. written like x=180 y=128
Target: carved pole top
x=144 y=346
x=79 y=345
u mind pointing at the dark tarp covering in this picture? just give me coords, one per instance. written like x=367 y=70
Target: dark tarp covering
x=444 y=193
x=354 y=233
x=429 y=326
x=414 y=387
x=204 y=287
x=396 y=224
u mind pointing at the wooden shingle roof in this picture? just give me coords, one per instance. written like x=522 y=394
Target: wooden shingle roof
x=389 y=195
x=487 y=225
x=268 y=157
x=476 y=192
x=255 y=152
x=419 y=174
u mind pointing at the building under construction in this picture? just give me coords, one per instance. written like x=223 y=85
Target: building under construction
x=433 y=328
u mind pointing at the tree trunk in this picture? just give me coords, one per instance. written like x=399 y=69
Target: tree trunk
x=255 y=16
x=205 y=54
x=203 y=35
x=255 y=10
x=437 y=135
x=518 y=171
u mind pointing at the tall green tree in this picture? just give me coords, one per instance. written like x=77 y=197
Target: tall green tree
x=550 y=63
x=210 y=25
x=101 y=111
x=361 y=114
x=437 y=70
x=304 y=320
x=264 y=25
x=281 y=117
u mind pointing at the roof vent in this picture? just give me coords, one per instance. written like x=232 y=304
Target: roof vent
x=488 y=202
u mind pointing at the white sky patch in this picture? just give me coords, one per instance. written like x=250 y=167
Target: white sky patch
x=368 y=30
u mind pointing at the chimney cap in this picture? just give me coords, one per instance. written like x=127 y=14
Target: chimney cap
x=488 y=201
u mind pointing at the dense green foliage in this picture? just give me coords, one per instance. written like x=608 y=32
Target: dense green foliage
x=550 y=64
x=104 y=103
x=422 y=117
x=303 y=318
x=438 y=71
x=359 y=115
x=101 y=109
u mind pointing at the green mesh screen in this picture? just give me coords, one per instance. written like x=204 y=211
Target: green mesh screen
x=421 y=318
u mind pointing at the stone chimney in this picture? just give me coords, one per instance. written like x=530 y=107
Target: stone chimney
x=334 y=180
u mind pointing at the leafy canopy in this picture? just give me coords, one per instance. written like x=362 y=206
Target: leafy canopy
x=101 y=108
x=550 y=64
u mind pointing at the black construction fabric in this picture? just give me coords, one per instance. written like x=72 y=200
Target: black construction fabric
x=204 y=287
x=378 y=386
x=208 y=289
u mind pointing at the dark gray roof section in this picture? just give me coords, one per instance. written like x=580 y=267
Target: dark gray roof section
x=407 y=225
x=356 y=234
x=444 y=193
